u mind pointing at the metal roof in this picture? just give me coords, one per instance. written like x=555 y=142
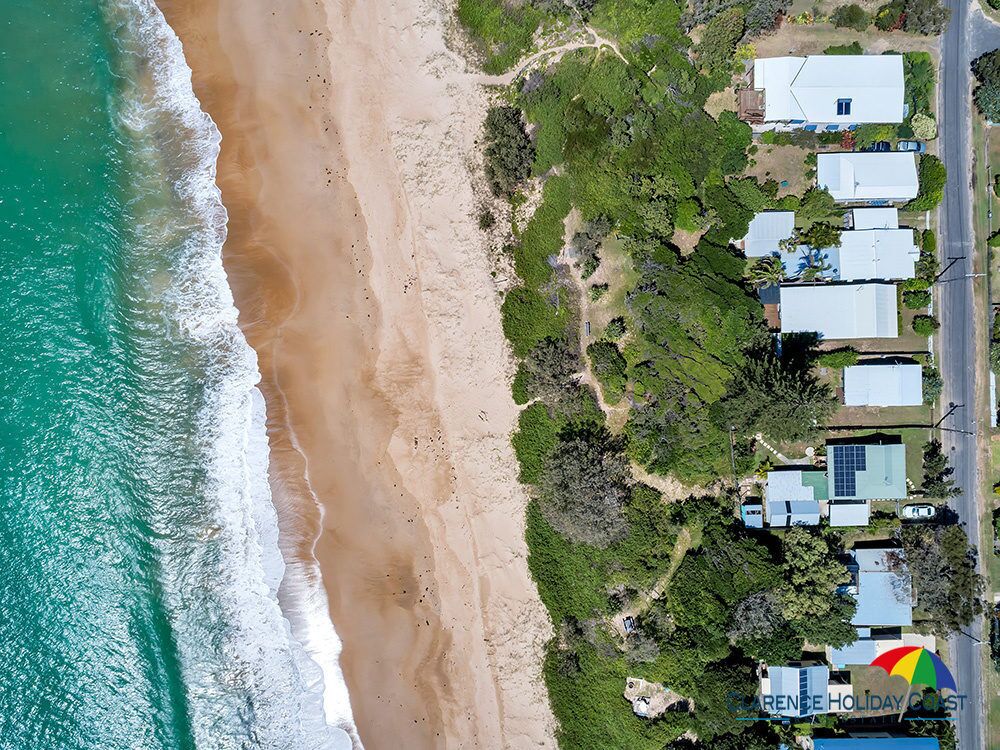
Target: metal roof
x=862 y=651
x=849 y=513
x=868 y=175
x=840 y=311
x=793 y=513
x=867 y=471
x=885 y=594
x=767 y=230
x=876 y=254
x=875 y=218
x=799 y=687
x=883 y=384
x=810 y=88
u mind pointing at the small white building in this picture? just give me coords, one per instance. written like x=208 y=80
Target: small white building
x=863 y=176
x=840 y=311
x=826 y=91
x=886 y=217
x=873 y=254
x=883 y=384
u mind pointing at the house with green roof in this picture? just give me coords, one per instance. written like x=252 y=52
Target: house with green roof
x=859 y=472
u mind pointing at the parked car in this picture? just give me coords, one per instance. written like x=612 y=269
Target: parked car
x=915 y=146
x=919 y=511
x=880 y=146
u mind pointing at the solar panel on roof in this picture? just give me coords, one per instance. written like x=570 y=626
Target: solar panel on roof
x=847 y=461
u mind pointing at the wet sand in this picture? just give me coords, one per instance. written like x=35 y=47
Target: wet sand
x=365 y=288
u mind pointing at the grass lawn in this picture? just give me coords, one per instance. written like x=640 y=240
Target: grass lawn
x=800 y=39
x=781 y=163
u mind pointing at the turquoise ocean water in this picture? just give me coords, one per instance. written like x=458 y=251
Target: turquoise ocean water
x=137 y=603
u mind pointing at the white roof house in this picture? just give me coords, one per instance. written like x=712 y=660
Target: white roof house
x=835 y=90
x=883 y=384
x=840 y=311
x=859 y=176
x=882 y=587
x=766 y=232
x=792 y=499
x=866 y=254
x=875 y=218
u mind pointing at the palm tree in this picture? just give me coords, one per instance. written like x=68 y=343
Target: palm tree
x=767 y=272
x=816 y=265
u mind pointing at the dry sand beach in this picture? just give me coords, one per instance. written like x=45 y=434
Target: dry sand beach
x=364 y=286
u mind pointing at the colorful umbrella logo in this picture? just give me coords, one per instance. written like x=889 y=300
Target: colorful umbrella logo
x=917 y=666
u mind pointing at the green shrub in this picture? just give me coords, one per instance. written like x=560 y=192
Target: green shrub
x=597 y=291
x=609 y=366
x=870 y=133
x=718 y=41
x=509 y=152
x=925 y=325
x=502 y=30
x=616 y=328
x=932 y=179
x=994 y=239
x=534 y=440
x=916 y=299
x=889 y=16
x=928 y=265
x=854 y=48
x=543 y=237
x=932 y=382
x=928 y=17
x=916 y=285
x=851 y=17
x=520 y=388
x=527 y=319
x=924 y=126
x=838 y=358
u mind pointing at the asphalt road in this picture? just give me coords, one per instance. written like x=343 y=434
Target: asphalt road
x=958 y=334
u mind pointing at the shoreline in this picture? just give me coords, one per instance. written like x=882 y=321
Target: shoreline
x=364 y=287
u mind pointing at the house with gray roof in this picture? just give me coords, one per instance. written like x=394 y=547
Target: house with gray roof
x=840 y=311
x=883 y=383
x=876 y=741
x=792 y=497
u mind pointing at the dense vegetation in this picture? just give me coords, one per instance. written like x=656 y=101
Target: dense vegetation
x=635 y=172
x=986 y=69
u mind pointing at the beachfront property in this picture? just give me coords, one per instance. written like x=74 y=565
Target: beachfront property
x=856 y=474
x=792 y=497
x=872 y=643
x=883 y=383
x=859 y=473
x=803 y=689
x=839 y=311
x=868 y=176
x=876 y=253
x=823 y=92
x=881 y=586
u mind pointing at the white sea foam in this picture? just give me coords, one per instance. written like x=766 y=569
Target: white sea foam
x=248 y=676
